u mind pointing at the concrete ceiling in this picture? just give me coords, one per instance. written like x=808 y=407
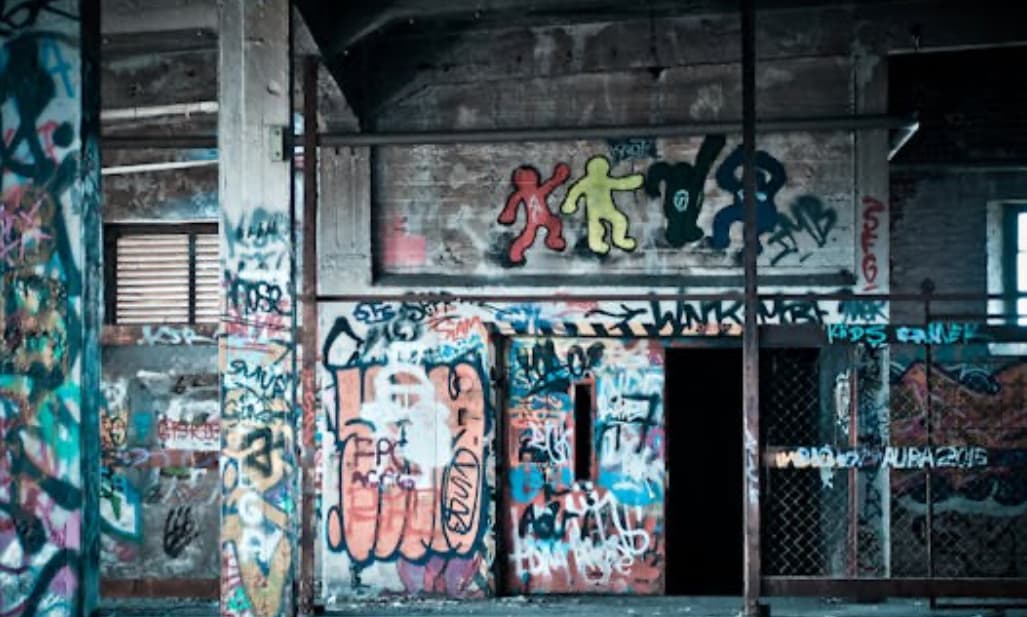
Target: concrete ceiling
x=368 y=46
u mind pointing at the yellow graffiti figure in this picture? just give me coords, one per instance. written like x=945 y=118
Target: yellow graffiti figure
x=597 y=187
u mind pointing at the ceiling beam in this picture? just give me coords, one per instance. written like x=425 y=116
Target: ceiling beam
x=135 y=16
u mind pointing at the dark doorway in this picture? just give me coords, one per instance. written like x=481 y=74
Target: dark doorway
x=704 y=497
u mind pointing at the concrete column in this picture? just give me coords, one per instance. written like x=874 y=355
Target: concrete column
x=257 y=359
x=873 y=495
x=49 y=307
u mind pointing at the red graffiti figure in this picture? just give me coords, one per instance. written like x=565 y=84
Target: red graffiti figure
x=526 y=178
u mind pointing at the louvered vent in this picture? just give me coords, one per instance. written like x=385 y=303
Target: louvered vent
x=208 y=279
x=166 y=278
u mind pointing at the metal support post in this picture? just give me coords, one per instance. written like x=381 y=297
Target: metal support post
x=750 y=335
x=308 y=533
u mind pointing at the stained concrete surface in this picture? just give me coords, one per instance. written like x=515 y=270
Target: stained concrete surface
x=596 y=606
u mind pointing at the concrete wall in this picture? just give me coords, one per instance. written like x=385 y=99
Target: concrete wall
x=48 y=227
x=159 y=432
x=650 y=208
x=980 y=515
x=947 y=227
x=160 y=424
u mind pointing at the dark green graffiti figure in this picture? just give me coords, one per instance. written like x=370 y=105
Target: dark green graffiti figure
x=597 y=187
x=683 y=191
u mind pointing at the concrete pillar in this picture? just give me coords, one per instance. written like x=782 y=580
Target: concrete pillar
x=873 y=272
x=50 y=306
x=257 y=359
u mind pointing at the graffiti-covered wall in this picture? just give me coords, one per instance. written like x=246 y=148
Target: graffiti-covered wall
x=159 y=428
x=408 y=492
x=622 y=207
x=42 y=245
x=520 y=222
x=969 y=401
x=414 y=397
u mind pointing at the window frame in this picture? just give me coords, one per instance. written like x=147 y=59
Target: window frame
x=113 y=231
x=1011 y=212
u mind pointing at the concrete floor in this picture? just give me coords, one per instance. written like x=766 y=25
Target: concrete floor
x=592 y=606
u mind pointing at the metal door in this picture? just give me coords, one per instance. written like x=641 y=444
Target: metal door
x=584 y=465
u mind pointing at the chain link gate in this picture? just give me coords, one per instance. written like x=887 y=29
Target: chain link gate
x=803 y=520
x=914 y=470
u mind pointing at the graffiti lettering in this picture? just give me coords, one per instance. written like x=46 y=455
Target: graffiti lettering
x=939 y=333
x=631 y=148
x=809 y=215
x=876 y=335
x=171 y=335
x=867 y=239
x=891 y=457
x=862 y=310
x=254 y=296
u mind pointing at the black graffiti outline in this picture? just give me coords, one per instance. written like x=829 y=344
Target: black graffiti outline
x=179 y=531
x=683 y=191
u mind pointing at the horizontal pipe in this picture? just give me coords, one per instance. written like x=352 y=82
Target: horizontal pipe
x=163 y=166
x=973 y=167
x=157 y=111
x=444 y=281
x=830 y=123
x=905 y=587
x=200 y=588
x=442 y=296
x=158 y=142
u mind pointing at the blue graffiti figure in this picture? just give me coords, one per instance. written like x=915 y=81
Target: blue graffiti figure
x=770 y=177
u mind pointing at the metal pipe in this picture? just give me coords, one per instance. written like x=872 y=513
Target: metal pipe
x=972 y=167
x=779 y=125
x=751 y=550
x=157 y=111
x=928 y=423
x=980 y=587
x=905 y=134
x=164 y=166
x=328 y=140
x=158 y=142
x=309 y=335
x=438 y=296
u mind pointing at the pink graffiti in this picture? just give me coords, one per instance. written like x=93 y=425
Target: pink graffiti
x=178 y=429
x=451 y=328
x=403 y=249
x=21 y=225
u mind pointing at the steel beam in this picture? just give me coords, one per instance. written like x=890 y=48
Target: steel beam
x=569 y=133
x=308 y=341
x=573 y=133
x=895 y=587
x=750 y=334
